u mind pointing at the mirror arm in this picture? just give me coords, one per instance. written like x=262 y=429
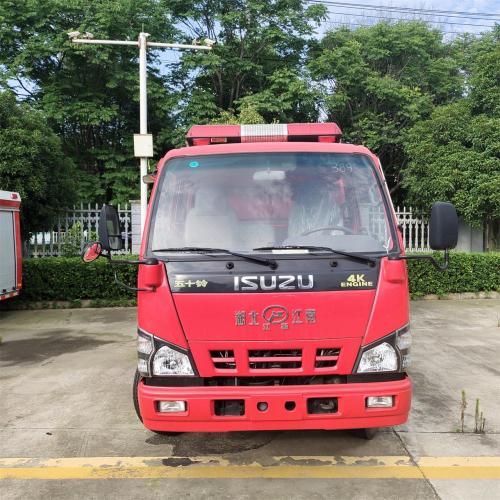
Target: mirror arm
x=131 y=288
x=433 y=261
x=148 y=262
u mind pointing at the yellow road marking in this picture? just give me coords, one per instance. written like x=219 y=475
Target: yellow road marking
x=312 y=467
x=198 y=460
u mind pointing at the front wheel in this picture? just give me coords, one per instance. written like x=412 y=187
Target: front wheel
x=137 y=379
x=368 y=433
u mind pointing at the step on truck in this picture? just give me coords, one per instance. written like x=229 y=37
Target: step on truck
x=10 y=245
x=272 y=284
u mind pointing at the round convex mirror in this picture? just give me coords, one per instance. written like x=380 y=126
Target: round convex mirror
x=91 y=252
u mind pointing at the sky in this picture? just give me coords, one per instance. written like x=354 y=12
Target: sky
x=451 y=25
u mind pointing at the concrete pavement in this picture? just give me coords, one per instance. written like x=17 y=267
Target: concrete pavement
x=65 y=384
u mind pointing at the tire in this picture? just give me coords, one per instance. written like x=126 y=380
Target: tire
x=368 y=433
x=135 y=395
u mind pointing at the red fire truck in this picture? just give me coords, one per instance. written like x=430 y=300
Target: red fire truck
x=10 y=245
x=272 y=288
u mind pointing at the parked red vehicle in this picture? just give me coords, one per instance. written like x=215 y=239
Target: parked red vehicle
x=272 y=288
x=10 y=245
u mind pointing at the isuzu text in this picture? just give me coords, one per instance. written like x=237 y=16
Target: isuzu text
x=272 y=285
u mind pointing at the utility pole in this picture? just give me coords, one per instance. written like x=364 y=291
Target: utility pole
x=143 y=142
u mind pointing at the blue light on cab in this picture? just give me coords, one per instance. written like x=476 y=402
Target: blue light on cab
x=193 y=164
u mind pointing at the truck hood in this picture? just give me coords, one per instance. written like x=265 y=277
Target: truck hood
x=274 y=316
x=302 y=299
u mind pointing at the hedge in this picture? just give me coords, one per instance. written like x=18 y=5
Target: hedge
x=468 y=272
x=70 y=279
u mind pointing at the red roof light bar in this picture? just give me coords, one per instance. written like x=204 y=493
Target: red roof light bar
x=203 y=135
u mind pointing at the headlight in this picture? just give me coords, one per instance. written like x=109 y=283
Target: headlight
x=168 y=361
x=145 y=348
x=381 y=358
x=403 y=343
x=390 y=354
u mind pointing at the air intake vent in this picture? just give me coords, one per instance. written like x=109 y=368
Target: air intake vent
x=278 y=359
x=326 y=357
x=223 y=360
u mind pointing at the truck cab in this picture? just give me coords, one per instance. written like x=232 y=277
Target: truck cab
x=272 y=285
x=10 y=245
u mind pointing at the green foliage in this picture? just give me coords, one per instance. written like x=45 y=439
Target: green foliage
x=267 y=66
x=259 y=44
x=468 y=272
x=72 y=242
x=483 y=67
x=32 y=163
x=454 y=154
x=289 y=96
x=454 y=157
x=70 y=279
x=378 y=81
x=89 y=93
x=248 y=114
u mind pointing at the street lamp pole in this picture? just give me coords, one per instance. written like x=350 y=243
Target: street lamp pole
x=143 y=142
x=143 y=121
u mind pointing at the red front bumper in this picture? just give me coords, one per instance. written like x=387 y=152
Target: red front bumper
x=200 y=415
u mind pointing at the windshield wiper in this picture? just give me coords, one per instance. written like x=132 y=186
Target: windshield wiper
x=352 y=256
x=264 y=262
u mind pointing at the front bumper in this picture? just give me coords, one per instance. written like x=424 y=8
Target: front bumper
x=200 y=414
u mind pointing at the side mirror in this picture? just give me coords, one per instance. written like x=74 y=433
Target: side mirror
x=443 y=226
x=110 y=236
x=91 y=252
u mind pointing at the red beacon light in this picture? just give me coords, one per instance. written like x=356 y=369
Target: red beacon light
x=204 y=135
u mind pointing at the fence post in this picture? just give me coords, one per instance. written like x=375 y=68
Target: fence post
x=135 y=225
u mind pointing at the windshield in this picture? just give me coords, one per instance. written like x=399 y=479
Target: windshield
x=245 y=201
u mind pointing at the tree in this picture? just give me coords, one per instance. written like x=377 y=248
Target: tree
x=289 y=96
x=33 y=164
x=482 y=65
x=90 y=93
x=454 y=155
x=248 y=114
x=380 y=80
x=260 y=47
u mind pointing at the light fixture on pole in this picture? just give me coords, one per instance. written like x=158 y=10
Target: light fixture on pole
x=143 y=142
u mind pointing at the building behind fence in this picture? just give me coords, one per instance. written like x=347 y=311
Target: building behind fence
x=76 y=226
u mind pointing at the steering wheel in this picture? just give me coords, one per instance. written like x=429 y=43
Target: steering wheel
x=327 y=228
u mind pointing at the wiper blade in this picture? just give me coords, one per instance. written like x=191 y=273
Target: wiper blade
x=265 y=262
x=352 y=256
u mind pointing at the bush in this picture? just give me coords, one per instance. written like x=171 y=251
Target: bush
x=70 y=279
x=468 y=272
x=72 y=245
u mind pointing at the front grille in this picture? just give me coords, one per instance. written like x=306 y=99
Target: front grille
x=326 y=357
x=274 y=359
x=223 y=360
x=294 y=358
